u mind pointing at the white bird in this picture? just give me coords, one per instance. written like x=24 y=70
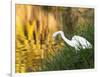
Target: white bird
x=77 y=42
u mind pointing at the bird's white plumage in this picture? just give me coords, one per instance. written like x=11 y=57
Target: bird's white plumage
x=77 y=42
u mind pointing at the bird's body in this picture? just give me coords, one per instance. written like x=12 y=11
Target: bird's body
x=77 y=42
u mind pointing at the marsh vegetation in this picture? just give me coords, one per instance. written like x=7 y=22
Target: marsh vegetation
x=35 y=48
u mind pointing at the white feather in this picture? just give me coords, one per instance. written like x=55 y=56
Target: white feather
x=77 y=42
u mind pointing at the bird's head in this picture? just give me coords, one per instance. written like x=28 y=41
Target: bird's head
x=56 y=33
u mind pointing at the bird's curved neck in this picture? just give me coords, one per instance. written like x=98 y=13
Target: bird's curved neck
x=65 y=39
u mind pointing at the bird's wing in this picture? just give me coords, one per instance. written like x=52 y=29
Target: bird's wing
x=82 y=41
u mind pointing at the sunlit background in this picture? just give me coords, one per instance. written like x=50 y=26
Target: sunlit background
x=35 y=48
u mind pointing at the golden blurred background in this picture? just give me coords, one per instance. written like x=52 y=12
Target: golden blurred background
x=34 y=28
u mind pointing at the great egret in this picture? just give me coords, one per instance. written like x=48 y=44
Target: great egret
x=77 y=42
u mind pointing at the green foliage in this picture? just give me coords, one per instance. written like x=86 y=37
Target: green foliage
x=68 y=58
